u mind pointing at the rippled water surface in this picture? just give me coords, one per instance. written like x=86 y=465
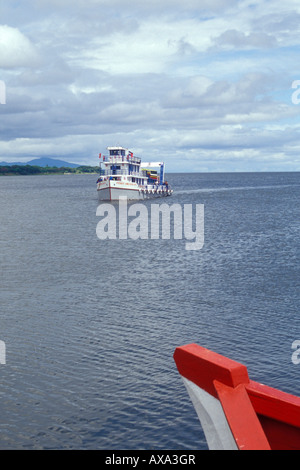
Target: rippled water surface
x=90 y=325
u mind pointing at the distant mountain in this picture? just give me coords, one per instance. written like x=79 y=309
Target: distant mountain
x=45 y=161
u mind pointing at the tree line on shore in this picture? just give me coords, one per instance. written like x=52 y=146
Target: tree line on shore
x=47 y=170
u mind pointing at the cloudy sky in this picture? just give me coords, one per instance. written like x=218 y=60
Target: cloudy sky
x=205 y=85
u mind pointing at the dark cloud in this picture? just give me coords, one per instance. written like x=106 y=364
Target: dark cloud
x=239 y=39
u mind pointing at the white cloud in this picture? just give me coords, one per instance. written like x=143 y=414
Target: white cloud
x=153 y=47
x=16 y=50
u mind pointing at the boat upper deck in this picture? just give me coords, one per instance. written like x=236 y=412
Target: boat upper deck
x=121 y=155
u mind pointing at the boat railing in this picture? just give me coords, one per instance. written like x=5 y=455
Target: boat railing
x=123 y=159
x=156 y=187
x=122 y=172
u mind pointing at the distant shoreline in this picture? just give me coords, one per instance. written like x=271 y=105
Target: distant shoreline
x=23 y=170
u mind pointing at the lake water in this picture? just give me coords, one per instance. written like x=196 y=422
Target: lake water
x=90 y=326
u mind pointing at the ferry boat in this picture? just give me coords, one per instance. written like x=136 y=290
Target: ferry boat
x=235 y=412
x=123 y=174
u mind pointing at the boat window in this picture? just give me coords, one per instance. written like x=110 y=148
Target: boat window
x=115 y=152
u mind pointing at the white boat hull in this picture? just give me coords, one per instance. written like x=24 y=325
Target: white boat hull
x=212 y=418
x=112 y=192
